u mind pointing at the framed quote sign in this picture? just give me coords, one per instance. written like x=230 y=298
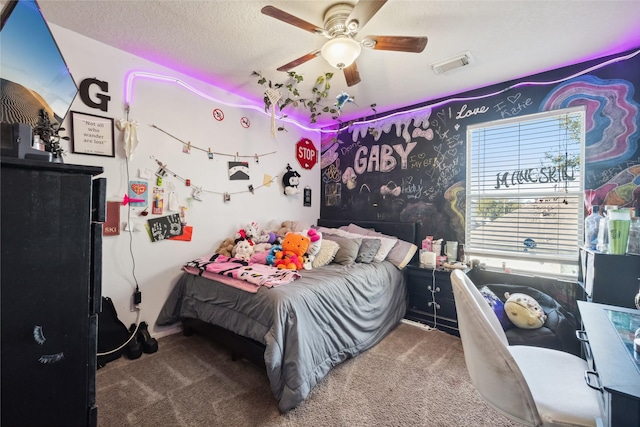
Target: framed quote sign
x=92 y=134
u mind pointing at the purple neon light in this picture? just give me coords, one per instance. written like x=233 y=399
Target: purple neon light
x=141 y=74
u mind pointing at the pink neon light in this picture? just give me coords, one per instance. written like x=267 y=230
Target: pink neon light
x=141 y=74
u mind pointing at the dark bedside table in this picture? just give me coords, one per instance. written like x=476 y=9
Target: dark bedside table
x=430 y=298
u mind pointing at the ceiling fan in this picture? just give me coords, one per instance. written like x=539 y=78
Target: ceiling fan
x=342 y=21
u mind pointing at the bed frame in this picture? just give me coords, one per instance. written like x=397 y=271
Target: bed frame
x=253 y=351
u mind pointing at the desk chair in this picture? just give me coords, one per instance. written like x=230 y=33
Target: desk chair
x=532 y=385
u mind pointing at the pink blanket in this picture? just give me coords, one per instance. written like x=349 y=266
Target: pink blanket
x=238 y=273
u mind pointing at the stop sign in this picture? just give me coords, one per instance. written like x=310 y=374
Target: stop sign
x=306 y=153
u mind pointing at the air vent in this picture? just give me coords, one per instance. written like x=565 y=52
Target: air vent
x=452 y=63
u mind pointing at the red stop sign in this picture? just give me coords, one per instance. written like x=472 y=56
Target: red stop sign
x=306 y=153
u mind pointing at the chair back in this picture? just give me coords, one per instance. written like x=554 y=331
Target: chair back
x=493 y=371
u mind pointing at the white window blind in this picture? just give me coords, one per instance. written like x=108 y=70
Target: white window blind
x=525 y=188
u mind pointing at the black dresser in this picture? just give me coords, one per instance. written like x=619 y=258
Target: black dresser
x=430 y=298
x=51 y=218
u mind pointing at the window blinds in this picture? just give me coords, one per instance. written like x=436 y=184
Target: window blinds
x=525 y=188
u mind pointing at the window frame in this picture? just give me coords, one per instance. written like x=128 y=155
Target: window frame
x=479 y=193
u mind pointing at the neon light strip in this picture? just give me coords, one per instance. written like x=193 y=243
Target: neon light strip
x=141 y=74
x=473 y=98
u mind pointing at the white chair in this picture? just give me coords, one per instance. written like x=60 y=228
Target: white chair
x=532 y=385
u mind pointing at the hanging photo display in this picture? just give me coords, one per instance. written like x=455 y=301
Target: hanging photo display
x=164 y=227
x=238 y=171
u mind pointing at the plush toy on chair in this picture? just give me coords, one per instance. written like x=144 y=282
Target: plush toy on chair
x=293 y=248
x=524 y=311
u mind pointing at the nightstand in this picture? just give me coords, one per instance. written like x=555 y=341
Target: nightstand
x=430 y=298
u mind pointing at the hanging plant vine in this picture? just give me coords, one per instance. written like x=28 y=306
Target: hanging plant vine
x=315 y=103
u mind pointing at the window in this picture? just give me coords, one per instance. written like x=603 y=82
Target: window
x=525 y=192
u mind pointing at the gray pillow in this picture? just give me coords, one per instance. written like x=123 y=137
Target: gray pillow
x=399 y=255
x=368 y=250
x=348 y=248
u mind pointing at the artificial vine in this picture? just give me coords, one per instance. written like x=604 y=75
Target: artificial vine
x=314 y=103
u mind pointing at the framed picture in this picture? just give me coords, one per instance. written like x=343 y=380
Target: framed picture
x=92 y=134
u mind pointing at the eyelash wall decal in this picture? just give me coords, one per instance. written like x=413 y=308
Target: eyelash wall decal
x=51 y=358
x=38 y=335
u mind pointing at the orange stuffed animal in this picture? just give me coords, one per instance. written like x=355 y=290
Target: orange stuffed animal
x=293 y=247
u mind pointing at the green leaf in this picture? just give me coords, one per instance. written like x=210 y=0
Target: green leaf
x=325 y=109
x=262 y=81
x=319 y=80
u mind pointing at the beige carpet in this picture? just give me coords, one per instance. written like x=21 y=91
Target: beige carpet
x=412 y=378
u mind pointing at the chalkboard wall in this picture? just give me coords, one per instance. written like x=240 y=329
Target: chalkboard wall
x=411 y=167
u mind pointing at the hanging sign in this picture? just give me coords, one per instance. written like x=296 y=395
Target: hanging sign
x=306 y=153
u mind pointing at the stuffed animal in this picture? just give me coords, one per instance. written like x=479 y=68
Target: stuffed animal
x=524 y=311
x=261 y=247
x=290 y=181
x=226 y=247
x=249 y=232
x=294 y=247
x=271 y=258
x=315 y=241
x=267 y=237
x=243 y=250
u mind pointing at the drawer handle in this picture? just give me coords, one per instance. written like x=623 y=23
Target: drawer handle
x=588 y=375
x=582 y=335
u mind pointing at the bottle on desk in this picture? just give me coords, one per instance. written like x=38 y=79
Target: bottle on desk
x=591 y=227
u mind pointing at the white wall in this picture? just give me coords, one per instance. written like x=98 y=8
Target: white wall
x=188 y=117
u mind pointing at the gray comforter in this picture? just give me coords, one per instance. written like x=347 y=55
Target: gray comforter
x=330 y=314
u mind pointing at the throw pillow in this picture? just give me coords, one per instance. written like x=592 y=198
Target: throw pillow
x=328 y=250
x=524 y=311
x=368 y=250
x=386 y=242
x=348 y=248
x=400 y=253
x=497 y=306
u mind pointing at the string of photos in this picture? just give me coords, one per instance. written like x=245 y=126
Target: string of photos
x=187 y=146
x=197 y=192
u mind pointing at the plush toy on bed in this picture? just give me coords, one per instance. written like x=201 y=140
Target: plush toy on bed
x=271 y=257
x=226 y=247
x=243 y=250
x=293 y=248
x=524 y=311
x=315 y=241
x=249 y=232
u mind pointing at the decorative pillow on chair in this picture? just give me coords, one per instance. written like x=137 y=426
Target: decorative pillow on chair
x=497 y=305
x=524 y=311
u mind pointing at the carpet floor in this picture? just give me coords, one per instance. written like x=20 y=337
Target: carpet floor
x=413 y=377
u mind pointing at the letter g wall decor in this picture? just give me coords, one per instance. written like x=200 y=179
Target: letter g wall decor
x=85 y=95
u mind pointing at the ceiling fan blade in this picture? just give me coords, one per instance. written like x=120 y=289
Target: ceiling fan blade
x=398 y=43
x=362 y=12
x=283 y=16
x=352 y=75
x=301 y=60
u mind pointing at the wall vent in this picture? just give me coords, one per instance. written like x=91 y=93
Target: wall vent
x=457 y=61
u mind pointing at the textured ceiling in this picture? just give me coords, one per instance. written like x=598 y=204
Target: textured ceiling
x=222 y=42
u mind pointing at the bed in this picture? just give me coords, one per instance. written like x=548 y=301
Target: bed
x=298 y=331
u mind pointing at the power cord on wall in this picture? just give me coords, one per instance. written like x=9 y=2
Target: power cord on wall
x=137 y=294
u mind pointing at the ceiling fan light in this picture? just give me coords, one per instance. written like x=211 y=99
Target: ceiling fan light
x=340 y=52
